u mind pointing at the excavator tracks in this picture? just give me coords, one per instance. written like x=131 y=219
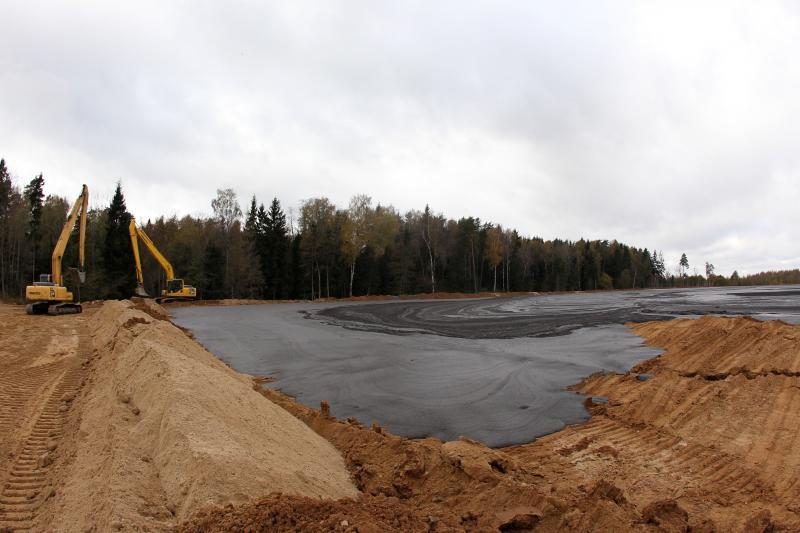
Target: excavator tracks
x=41 y=374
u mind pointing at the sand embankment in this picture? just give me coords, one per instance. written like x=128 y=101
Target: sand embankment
x=166 y=428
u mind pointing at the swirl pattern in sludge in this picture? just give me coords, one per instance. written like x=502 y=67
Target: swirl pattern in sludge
x=551 y=315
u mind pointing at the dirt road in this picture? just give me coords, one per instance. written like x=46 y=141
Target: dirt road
x=40 y=374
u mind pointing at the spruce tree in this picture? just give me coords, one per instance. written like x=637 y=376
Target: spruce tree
x=251 y=222
x=118 y=262
x=5 y=189
x=263 y=225
x=278 y=247
x=34 y=196
x=5 y=204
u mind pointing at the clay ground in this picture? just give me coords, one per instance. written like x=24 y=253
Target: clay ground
x=705 y=437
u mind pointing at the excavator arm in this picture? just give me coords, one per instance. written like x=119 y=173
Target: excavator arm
x=79 y=208
x=175 y=287
x=135 y=232
x=137 y=259
x=49 y=295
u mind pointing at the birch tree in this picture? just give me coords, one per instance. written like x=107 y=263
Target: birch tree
x=494 y=250
x=227 y=212
x=430 y=244
x=355 y=231
x=316 y=221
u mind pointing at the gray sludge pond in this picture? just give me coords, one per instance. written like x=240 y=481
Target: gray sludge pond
x=495 y=370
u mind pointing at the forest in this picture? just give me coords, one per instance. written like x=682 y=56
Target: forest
x=362 y=249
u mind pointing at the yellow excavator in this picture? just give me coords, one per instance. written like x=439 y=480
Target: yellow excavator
x=176 y=289
x=48 y=295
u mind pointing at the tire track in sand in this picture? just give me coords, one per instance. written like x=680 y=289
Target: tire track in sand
x=36 y=391
x=712 y=423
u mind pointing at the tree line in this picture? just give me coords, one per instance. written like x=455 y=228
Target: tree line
x=327 y=252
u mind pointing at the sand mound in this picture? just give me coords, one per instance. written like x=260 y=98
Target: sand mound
x=716 y=348
x=167 y=428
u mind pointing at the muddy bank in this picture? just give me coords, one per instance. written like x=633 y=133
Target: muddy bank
x=165 y=428
x=703 y=438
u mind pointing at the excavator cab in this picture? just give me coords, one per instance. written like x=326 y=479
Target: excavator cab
x=175 y=285
x=176 y=289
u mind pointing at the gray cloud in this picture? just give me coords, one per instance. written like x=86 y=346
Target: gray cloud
x=666 y=125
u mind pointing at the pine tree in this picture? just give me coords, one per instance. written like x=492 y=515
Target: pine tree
x=117 y=252
x=684 y=264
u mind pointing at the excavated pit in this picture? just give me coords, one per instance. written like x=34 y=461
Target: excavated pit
x=670 y=453
x=495 y=370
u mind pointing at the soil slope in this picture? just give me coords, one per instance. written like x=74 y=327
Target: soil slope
x=705 y=437
x=166 y=428
x=713 y=424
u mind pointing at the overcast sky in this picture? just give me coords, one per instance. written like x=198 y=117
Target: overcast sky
x=665 y=125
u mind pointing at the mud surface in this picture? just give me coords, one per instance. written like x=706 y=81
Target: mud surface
x=480 y=376
x=552 y=315
x=708 y=443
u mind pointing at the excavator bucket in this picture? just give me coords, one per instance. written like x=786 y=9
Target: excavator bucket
x=140 y=292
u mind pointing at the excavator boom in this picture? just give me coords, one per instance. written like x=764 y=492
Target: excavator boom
x=132 y=230
x=175 y=287
x=50 y=295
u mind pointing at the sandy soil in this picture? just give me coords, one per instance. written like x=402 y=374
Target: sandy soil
x=117 y=420
x=703 y=438
x=160 y=429
x=40 y=374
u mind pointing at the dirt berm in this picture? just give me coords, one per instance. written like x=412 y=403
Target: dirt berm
x=165 y=428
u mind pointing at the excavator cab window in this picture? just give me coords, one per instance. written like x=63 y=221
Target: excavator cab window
x=44 y=281
x=175 y=285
